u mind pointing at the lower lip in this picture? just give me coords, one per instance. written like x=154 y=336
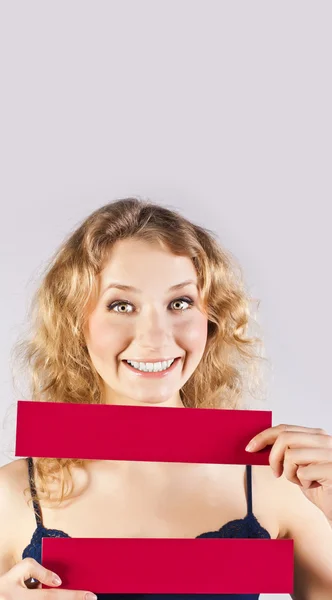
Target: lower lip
x=153 y=375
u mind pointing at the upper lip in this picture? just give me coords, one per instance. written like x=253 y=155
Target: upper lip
x=152 y=360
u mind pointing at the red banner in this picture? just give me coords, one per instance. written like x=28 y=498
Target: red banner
x=142 y=433
x=167 y=566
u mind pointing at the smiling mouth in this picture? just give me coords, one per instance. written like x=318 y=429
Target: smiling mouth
x=151 y=367
x=151 y=360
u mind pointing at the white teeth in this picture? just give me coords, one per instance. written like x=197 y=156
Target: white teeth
x=151 y=367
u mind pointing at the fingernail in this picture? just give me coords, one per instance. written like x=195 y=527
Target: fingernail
x=56 y=580
x=90 y=596
x=250 y=446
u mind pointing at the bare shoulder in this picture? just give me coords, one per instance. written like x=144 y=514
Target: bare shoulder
x=12 y=483
x=13 y=468
x=302 y=521
x=14 y=477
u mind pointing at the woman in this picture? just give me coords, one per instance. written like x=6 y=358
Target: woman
x=185 y=302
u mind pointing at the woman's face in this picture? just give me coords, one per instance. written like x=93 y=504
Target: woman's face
x=151 y=324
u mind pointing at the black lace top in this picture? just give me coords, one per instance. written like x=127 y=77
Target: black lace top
x=248 y=527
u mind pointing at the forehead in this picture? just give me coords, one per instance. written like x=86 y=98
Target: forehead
x=145 y=264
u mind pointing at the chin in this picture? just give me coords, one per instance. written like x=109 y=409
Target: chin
x=152 y=401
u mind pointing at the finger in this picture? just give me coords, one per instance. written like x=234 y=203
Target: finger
x=269 y=436
x=295 y=439
x=66 y=595
x=297 y=457
x=29 y=568
x=316 y=472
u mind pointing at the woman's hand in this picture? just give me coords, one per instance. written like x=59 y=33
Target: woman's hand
x=304 y=455
x=12 y=586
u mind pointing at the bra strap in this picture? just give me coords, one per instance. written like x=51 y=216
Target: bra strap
x=249 y=488
x=36 y=505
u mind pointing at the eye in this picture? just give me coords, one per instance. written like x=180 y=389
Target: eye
x=188 y=301
x=116 y=306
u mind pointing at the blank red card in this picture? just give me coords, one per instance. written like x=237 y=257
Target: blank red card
x=167 y=566
x=142 y=433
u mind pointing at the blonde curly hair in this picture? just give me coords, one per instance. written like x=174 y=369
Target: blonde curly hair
x=54 y=353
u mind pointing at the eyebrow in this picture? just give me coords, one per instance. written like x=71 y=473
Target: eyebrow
x=121 y=286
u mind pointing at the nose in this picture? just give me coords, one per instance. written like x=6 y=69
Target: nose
x=153 y=330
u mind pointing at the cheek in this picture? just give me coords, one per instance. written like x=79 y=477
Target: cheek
x=193 y=334
x=105 y=336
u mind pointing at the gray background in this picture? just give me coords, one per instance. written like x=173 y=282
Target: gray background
x=220 y=109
